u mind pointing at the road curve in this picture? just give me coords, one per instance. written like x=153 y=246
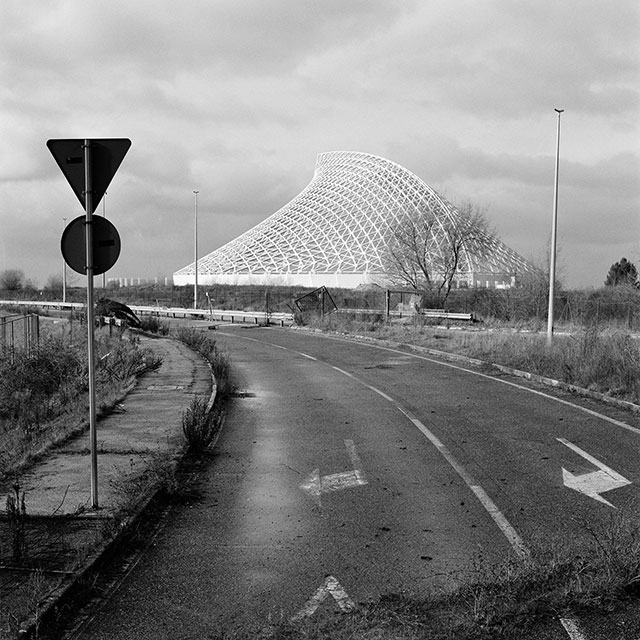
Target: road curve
x=347 y=470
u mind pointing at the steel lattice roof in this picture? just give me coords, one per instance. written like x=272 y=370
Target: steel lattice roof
x=342 y=222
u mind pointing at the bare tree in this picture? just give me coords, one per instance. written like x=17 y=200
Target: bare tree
x=11 y=279
x=427 y=251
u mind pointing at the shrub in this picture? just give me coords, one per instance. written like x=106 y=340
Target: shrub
x=153 y=324
x=219 y=361
x=198 y=425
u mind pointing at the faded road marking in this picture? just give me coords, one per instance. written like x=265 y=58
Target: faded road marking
x=315 y=485
x=330 y=587
x=572 y=629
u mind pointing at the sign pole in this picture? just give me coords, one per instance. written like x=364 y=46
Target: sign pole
x=88 y=193
x=89 y=166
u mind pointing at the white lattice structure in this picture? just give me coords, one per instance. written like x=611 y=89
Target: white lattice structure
x=337 y=230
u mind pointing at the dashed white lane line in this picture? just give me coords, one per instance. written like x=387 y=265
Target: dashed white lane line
x=491 y=508
x=569 y=624
x=595 y=414
x=489 y=505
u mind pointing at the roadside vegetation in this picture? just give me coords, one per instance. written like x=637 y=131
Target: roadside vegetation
x=509 y=601
x=201 y=422
x=43 y=393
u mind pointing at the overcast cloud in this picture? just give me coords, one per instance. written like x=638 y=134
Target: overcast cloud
x=237 y=97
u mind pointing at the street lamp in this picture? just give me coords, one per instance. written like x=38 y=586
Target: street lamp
x=554 y=227
x=64 y=270
x=195 y=281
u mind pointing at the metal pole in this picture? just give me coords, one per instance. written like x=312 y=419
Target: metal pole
x=195 y=282
x=88 y=184
x=554 y=228
x=64 y=272
x=104 y=215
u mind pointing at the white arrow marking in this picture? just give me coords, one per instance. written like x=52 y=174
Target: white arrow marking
x=594 y=483
x=315 y=485
x=330 y=587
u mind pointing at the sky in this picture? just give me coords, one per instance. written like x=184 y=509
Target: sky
x=235 y=99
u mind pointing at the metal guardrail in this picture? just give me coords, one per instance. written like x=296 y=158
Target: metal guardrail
x=441 y=314
x=221 y=315
x=232 y=316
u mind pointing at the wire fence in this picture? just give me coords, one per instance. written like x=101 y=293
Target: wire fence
x=19 y=332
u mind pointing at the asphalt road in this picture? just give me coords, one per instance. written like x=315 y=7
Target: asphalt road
x=347 y=471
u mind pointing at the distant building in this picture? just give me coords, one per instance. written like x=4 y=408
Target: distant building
x=337 y=230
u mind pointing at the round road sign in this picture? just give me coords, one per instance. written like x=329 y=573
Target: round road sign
x=106 y=245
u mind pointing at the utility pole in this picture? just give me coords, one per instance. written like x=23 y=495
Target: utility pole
x=554 y=229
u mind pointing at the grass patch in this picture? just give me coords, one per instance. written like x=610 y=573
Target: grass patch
x=219 y=361
x=153 y=324
x=44 y=394
x=200 y=423
x=151 y=472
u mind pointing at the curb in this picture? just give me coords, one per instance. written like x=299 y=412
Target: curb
x=54 y=602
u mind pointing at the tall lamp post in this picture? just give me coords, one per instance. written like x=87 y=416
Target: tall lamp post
x=195 y=243
x=554 y=228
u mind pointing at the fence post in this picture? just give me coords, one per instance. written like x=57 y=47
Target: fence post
x=3 y=332
x=25 y=334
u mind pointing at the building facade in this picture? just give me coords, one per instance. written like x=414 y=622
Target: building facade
x=337 y=231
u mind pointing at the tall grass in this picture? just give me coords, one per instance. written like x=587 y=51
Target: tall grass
x=200 y=423
x=201 y=343
x=43 y=394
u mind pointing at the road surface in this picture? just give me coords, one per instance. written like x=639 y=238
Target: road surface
x=346 y=470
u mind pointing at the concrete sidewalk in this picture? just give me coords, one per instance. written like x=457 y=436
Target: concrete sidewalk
x=147 y=422
x=60 y=522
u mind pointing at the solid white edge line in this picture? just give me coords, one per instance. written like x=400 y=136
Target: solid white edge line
x=595 y=414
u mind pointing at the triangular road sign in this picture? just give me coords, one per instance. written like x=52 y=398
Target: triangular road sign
x=106 y=156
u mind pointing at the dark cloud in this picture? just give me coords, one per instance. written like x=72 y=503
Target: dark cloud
x=237 y=99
